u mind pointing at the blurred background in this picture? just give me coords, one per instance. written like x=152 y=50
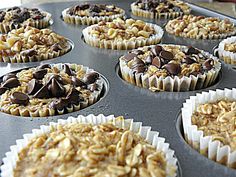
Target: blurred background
x=227 y=7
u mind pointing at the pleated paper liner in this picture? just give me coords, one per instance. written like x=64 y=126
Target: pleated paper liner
x=214 y=150
x=89 y=20
x=45 y=111
x=151 y=15
x=124 y=44
x=152 y=137
x=42 y=23
x=169 y=83
x=227 y=56
x=18 y=58
x=208 y=36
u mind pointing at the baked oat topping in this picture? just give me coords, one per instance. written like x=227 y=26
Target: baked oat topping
x=231 y=47
x=217 y=119
x=120 y=30
x=85 y=150
x=30 y=42
x=16 y=17
x=168 y=60
x=162 y=6
x=200 y=27
x=92 y=10
x=49 y=90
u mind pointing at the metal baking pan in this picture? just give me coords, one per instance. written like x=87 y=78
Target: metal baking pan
x=159 y=110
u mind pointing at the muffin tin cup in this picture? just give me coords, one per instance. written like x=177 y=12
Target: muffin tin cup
x=42 y=23
x=214 y=150
x=150 y=136
x=227 y=56
x=171 y=84
x=18 y=58
x=124 y=44
x=86 y=20
x=147 y=14
x=45 y=112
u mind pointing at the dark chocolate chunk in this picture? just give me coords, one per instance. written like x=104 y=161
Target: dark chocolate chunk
x=42 y=93
x=208 y=64
x=156 y=50
x=137 y=62
x=56 y=47
x=74 y=96
x=170 y=5
x=84 y=6
x=44 y=66
x=8 y=76
x=39 y=74
x=90 y=78
x=166 y=55
x=57 y=90
x=192 y=50
x=173 y=68
x=3 y=90
x=188 y=60
x=57 y=77
x=11 y=83
x=34 y=86
x=59 y=104
x=130 y=56
x=157 y=62
x=95 y=9
x=67 y=70
x=19 y=98
x=92 y=87
x=29 y=53
x=77 y=82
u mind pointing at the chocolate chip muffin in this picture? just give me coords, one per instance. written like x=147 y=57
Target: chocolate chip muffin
x=169 y=68
x=122 y=34
x=227 y=50
x=88 y=14
x=16 y=17
x=209 y=125
x=49 y=90
x=200 y=27
x=156 y=9
x=95 y=146
x=29 y=44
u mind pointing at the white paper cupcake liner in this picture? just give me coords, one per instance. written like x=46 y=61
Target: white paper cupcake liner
x=18 y=58
x=170 y=30
x=86 y=20
x=44 y=112
x=42 y=23
x=150 y=136
x=227 y=56
x=124 y=44
x=214 y=150
x=147 y=14
x=171 y=83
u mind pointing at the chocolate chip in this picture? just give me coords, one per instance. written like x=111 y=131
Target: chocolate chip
x=58 y=78
x=173 y=68
x=90 y=78
x=192 y=50
x=11 y=83
x=59 y=104
x=137 y=62
x=95 y=8
x=42 y=93
x=92 y=87
x=188 y=60
x=57 y=90
x=19 y=98
x=170 y=5
x=33 y=86
x=8 y=76
x=77 y=82
x=208 y=64
x=3 y=90
x=29 y=53
x=129 y=56
x=39 y=74
x=139 y=69
x=74 y=96
x=84 y=6
x=44 y=66
x=157 y=62
x=166 y=55
x=156 y=50
x=56 y=47
x=67 y=70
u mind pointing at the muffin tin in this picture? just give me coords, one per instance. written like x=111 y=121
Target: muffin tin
x=159 y=110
